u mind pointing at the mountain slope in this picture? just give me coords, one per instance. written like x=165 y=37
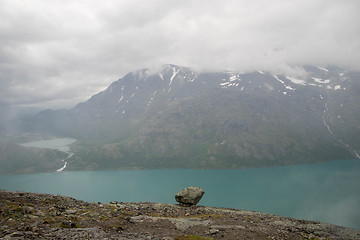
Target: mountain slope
x=180 y=118
x=16 y=159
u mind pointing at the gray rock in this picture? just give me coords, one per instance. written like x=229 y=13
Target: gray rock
x=189 y=196
x=214 y=231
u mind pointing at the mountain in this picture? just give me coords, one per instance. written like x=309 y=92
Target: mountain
x=16 y=159
x=180 y=118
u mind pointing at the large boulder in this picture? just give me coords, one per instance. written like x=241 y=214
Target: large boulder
x=189 y=196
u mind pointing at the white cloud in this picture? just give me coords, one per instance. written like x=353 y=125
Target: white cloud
x=64 y=51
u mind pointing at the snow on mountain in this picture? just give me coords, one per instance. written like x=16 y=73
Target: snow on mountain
x=243 y=117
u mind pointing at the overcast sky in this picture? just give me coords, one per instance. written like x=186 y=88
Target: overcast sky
x=60 y=52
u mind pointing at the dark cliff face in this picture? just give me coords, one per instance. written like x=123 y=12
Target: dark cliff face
x=43 y=216
x=177 y=117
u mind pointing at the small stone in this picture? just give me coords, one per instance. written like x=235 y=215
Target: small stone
x=71 y=211
x=214 y=231
x=189 y=196
x=68 y=224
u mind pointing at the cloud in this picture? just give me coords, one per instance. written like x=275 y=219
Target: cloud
x=56 y=53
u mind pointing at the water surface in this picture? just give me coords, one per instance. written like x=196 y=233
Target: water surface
x=61 y=144
x=328 y=192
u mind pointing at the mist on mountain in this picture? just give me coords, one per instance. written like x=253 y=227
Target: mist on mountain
x=176 y=117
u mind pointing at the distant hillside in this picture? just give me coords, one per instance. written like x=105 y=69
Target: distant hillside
x=17 y=159
x=179 y=118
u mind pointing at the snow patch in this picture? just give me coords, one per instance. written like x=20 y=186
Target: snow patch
x=323 y=69
x=193 y=79
x=121 y=98
x=318 y=80
x=232 y=78
x=276 y=77
x=290 y=88
x=173 y=75
x=296 y=80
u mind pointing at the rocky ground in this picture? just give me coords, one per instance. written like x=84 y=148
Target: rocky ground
x=43 y=216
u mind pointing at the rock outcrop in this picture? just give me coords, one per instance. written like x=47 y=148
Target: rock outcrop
x=189 y=196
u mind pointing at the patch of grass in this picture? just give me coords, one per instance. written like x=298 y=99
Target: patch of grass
x=117 y=226
x=104 y=218
x=49 y=220
x=128 y=213
x=69 y=225
x=192 y=237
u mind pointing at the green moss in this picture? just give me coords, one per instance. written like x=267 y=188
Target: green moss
x=49 y=220
x=128 y=213
x=69 y=225
x=117 y=226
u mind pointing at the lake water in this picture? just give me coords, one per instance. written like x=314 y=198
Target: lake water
x=327 y=192
x=61 y=144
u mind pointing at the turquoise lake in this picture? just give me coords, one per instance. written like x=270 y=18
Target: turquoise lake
x=327 y=192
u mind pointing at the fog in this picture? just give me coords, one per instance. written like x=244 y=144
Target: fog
x=58 y=53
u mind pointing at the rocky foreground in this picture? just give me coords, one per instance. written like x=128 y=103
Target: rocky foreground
x=43 y=216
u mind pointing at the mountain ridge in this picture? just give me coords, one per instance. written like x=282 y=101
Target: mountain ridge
x=179 y=118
